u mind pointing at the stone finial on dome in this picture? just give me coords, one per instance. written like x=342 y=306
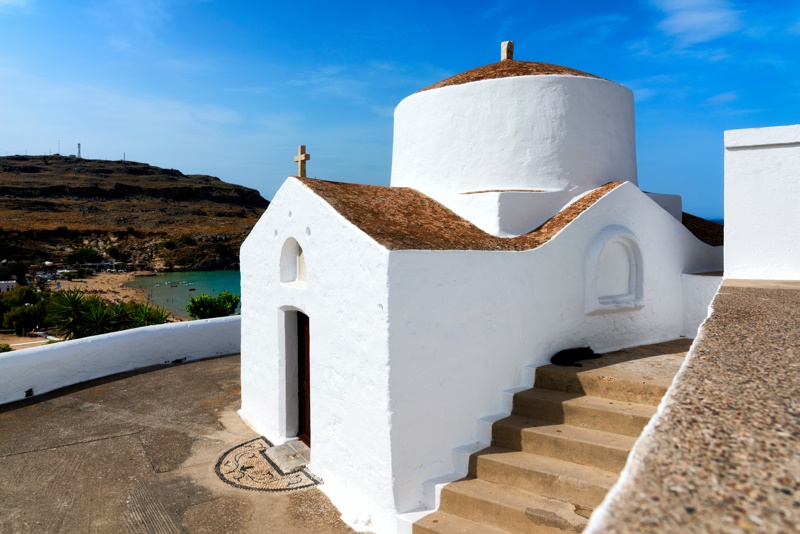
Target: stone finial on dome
x=506 y=50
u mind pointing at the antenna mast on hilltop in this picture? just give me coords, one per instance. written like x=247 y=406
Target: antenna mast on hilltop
x=79 y=151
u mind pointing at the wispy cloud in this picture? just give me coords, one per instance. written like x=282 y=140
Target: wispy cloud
x=656 y=49
x=119 y=43
x=651 y=87
x=251 y=89
x=698 y=21
x=722 y=98
x=383 y=111
x=495 y=9
x=331 y=80
x=595 y=28
x=188 y=66
x=389 y=66
x=15 y=6
x=143 y=15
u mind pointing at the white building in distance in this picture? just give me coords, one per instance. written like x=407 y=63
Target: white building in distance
x=762 y=179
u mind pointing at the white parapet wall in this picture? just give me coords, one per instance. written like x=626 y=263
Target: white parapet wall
x=762 y=185
x=41 y=369
x=698 y=292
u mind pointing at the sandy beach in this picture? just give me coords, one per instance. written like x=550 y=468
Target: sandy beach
x=108 y=286
x=21 y=342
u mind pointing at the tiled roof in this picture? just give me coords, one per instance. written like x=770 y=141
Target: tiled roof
x=704 y=230
x=506 y=69
x=401 y=218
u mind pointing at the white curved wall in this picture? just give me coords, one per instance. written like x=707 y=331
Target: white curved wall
x=50 y=367
x=526 y=132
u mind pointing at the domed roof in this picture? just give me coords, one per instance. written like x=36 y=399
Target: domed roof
x=506 y=69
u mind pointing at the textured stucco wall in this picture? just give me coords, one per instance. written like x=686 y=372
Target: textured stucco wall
x=50 y=367
x=345 y=297
x=464 y=325
x=762 y=185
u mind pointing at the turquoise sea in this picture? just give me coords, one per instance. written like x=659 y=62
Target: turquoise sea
x=173 y=290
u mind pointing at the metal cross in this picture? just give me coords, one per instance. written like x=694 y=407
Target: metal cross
x=301 y=159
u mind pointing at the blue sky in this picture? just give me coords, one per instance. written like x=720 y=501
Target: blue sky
x=231 y=88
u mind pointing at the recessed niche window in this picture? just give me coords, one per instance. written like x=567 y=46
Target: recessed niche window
x=613 y=272
x=293 y=263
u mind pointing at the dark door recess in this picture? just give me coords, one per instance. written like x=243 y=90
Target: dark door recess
x=303 y=379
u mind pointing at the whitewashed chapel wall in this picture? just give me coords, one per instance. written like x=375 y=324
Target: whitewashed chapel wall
x=345 y=296
x=762 y=220
x=464 y=325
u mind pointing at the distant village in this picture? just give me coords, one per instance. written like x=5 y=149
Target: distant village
x=47 y=272
x=32 y=297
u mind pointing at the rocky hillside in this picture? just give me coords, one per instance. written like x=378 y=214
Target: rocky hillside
x=52 y=206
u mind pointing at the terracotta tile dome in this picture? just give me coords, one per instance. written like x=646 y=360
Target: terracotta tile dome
x=508 y=68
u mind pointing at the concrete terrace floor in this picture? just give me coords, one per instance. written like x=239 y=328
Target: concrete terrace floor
x=136 y=453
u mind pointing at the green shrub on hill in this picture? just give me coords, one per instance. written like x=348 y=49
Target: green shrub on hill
x=14 y=271
x=5 y=347
x=24 y=318
x=84 y=255
x=23 y=309
x=117 y=254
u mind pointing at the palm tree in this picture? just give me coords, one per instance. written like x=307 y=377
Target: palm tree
x=97 y=319
x=121 y=315
x=76 y=315
x=146 y=315
x=68 y=309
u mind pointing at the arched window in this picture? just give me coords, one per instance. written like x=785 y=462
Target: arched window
x=613 y=272
x=293 y=263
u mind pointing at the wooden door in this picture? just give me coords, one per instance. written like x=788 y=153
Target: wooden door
x=303 y=379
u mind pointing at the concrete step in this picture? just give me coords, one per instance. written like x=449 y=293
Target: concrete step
x=579 y=484
x=599 y=384
x=510 y=509
x=639 y=374
x=563 y=442
x=553 y=460
x=443 y=523
x=574 y=409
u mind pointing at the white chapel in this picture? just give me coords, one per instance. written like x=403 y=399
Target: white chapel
x=381 y=325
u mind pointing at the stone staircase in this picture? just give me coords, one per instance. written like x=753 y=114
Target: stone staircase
x=552 y=461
